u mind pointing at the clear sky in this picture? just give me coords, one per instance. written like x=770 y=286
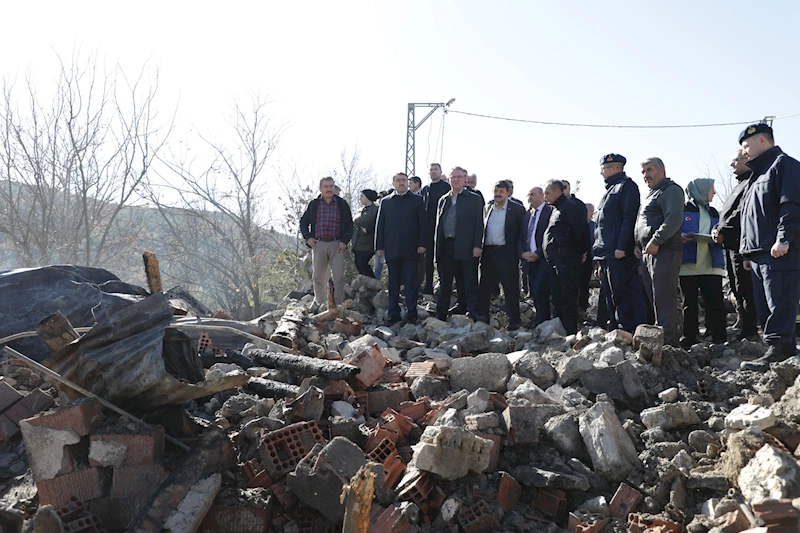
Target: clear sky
x=340 y=74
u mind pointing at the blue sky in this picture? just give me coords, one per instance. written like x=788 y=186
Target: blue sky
x=340 y=74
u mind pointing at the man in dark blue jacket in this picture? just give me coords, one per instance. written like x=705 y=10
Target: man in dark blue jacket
x=501 y=253
x=431 y=194
x=614 y=244
x=534 y=264
x=566 y=240
x=400 y=238
x=770 y=240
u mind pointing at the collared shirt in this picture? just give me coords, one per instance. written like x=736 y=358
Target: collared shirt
x=329 y=220
x=449 y=222
x=537 y=214
x=496 y=225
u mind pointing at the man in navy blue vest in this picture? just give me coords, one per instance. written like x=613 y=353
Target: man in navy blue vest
x=614 y=244
x=400 y=237
x=532 y=252
x=770 y=240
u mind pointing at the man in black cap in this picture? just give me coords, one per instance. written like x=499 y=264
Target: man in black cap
x=565 y=241
x=728 y=233
x=659 y=245
x=770 y=240
x=431 y=194
x=400 y=238
x=614 y=244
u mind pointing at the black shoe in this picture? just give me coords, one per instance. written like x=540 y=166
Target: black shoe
x=412 y=319
x=441 y=317
x=457 y=310
x=775 y=354
x=474 y=317
x=513 y=326
x=392 y=320
x=686 y=342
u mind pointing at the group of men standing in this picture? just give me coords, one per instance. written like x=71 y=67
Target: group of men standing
x=637 y=250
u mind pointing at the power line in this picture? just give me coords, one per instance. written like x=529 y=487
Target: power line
x=619 y=126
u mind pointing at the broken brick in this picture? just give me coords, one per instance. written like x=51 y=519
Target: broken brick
x=235 y=520
x=417 y=370
x=8 y=396
x=72 y=510
x=624 y=501
x=371 y=362
x=418 y=492
x=478 y=518
x=83 y=485
x=386 y=454
x=141 y=449
x=781 y=513
x=82 y=417
x=509 y=491
x=283 y=448
x=88 y=523
x=413 y=410
x=551 y=502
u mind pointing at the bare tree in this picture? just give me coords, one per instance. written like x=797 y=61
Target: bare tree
x=70 y=165
x=221 y=239
x=353 y=177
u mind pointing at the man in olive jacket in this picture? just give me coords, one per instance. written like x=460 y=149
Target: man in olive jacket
x=659 y=245
x=400 y=237
x=459 y=243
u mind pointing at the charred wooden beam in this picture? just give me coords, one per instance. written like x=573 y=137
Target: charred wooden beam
x=269 y=388
x=307 y=366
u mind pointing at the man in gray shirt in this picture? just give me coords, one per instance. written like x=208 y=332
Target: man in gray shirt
x=659 y=245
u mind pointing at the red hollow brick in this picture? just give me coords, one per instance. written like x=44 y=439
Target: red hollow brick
x=84 y=485
x=417 y=370
x=391 y=520
x=478 y=518
x=551 y=502
x=81 y=417
x=418 y=492
x=72 y=510
x=87 y=523
x=137 y=480
x=235 y=520
x=282 y=449
x=413 y=410
x=392 y=419
x=141 y=449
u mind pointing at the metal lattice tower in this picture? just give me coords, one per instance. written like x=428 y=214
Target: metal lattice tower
x=412 y=128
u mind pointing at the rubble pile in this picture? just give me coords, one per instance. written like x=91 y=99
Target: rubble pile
x=333 y=422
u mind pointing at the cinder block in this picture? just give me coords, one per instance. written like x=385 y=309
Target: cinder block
x=83 y=485
x=283 y=448
x=382 y=397
x=520 y=422
x=8 y=396
x=116 y=513
x=81 y=417
x=136 y=481
x=141 y=448
x=235 y=520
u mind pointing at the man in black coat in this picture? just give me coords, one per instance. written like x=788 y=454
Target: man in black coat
x=566 y=240
x=727 y=232
x=400 y=238
x=459 y=242
x=501 y=254
x=614 y=245
x=531 y=246
x=770 y=240
x=431 y=194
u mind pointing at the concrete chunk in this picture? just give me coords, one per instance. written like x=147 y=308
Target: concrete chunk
x=770 y=475
x=489 y=371
x=649 y=340
x=670 y=416
x=747 y=415
x=451 y=452
x=610 y=448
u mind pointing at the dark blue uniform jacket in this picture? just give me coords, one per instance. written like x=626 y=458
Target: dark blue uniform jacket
x=616 y=217
x=771 y=207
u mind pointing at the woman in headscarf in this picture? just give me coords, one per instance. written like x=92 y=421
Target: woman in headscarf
x=703 y=265
x=364 y=232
